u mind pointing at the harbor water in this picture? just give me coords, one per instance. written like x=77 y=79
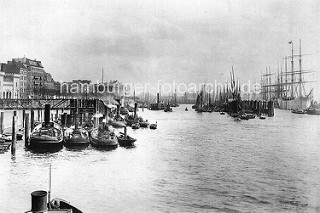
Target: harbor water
x=193 y=162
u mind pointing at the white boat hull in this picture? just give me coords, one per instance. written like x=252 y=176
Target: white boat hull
x=297 y=103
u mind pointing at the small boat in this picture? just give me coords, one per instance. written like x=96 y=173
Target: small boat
x=46 y=136
x=76 y=137
x=103 y=138
x=125 y=140
x=313 y=111
x=7 y=136
x=262 y=117
x=124 y=111
x=117 y=124
x=143 y=123
x=186 y=109
x=153 y=126
x=298 y=111
x=222 y=113
x=168 y=108
x=136 y=126
x=129 y=119
x=237 y=119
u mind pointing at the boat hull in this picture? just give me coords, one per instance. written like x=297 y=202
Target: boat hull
x=77 y=142
x=43 y=142
x=104 y=143
x=103 y=139
x=126 y=141
x=297 y=103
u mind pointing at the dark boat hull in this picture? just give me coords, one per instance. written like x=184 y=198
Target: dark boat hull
x=129 y=141
x=77 y=142
x=36 y=143
x=144 y=124
x=104 y=143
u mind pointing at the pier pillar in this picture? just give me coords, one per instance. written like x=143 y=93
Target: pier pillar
x=1 y=122
x=255 y=106
x=76 y=120
x=270 y=109
x=57 y=114
x=64 y=119
x=68 y=120
x=32 y=120
x=39 y=119
x=14 y=134
x=26 y=130
x=23 y=117
x=259 y=107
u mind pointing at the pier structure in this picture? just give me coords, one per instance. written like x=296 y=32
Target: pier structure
x=258 y=107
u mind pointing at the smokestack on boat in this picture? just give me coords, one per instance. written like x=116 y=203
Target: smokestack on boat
x=158 y=98
x=135 y=109
x=118 y=110
x=39 y=201
x=76 y=115
x=47 y=114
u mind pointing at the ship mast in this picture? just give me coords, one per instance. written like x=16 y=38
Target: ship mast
x=300 y=73
x=292 y=69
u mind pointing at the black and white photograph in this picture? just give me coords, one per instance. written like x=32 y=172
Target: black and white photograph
x=159 y=106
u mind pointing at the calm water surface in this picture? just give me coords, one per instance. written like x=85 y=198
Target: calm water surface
x=192 y=163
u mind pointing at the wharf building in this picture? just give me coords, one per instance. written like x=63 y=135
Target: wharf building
x=24 y=78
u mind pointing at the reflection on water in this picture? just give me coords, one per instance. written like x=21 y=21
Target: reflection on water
x=193 y=162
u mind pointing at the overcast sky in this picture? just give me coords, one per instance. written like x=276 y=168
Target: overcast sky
x=146 y=41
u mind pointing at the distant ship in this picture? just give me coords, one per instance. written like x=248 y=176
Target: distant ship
x=289 y=91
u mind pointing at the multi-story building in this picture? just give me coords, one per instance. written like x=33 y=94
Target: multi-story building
x=25 y=78
x=35 y=82
x=10 y=80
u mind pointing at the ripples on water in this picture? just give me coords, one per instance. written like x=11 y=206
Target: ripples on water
x=193 y=162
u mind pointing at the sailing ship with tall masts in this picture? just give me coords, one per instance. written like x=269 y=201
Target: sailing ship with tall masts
x=289 y=90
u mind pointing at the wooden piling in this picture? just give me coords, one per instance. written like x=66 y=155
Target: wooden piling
x=1 y=122
x=64 y=119
x=76 y=120
x=26 y=130
x=39 y=119
x=14 y=134
x=32 y=120
x=23 y=117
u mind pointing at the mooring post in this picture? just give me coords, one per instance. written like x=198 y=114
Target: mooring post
x=39 y=119
x=1 y=122
x=57 y=114
x=26 y=130
x=32 y=120
x=14 y=134
x=23 y=117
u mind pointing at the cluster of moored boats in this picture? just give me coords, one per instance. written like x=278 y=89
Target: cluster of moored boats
x=104 y=134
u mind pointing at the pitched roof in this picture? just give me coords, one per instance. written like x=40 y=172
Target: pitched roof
x=34 y=63
x=12 y=67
